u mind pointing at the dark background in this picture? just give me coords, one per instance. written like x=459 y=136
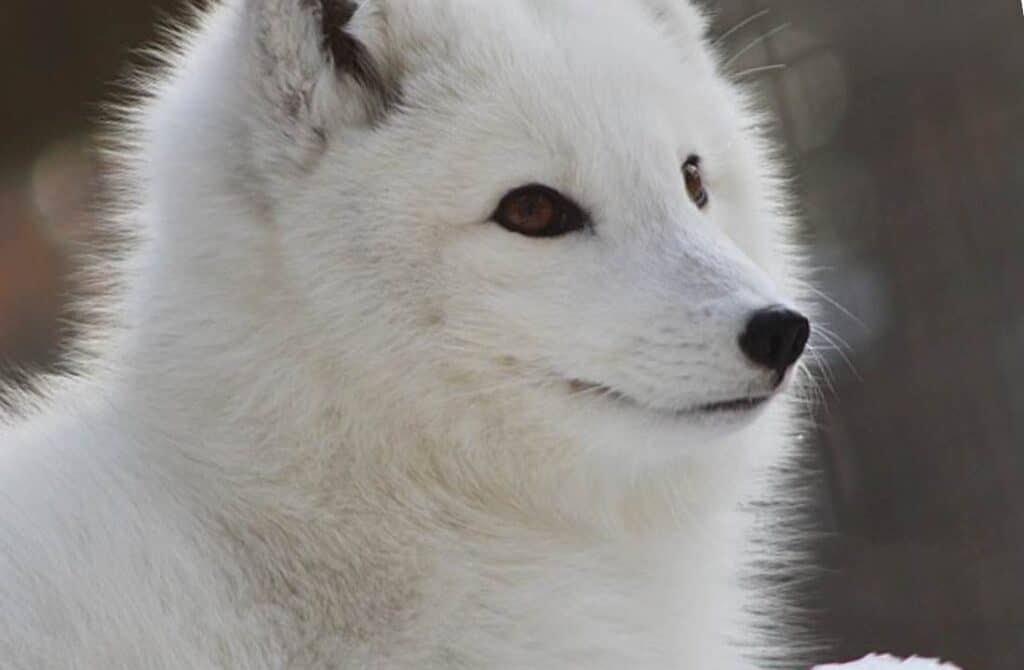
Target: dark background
x=902 y=122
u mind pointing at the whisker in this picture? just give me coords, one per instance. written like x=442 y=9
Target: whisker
x=830 y=338
x=833 y=338
x=757 y=70
x=835 y=303
x=740 y=26
x=809 y=367
x=755 y=43
x=809 y=391
x=821 y=365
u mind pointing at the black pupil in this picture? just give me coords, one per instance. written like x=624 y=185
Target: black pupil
x=530 y=205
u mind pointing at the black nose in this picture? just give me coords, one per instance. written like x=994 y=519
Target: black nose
x=775 y=338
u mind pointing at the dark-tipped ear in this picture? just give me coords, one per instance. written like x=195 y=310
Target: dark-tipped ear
x=314 y=67
x=348 y=54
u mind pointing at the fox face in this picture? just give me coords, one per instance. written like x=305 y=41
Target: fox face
x=555 y=209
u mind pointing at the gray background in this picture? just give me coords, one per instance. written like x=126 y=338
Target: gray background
x=902 y=123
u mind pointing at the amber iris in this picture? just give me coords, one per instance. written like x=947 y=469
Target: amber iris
x=539 y=211
x=695 y=182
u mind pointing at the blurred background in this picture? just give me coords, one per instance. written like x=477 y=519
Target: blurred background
x=903 y=123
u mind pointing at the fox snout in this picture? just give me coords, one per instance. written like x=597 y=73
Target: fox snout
x=775 y=338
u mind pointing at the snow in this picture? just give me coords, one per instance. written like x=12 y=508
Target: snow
x=876 y=662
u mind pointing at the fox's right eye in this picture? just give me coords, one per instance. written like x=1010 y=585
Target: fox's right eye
x=539 y=211
x=695 y=182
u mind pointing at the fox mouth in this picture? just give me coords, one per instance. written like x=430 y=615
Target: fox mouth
x=728 y=406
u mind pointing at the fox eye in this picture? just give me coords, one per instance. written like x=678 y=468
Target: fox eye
x=539 y=211
x=694 y=182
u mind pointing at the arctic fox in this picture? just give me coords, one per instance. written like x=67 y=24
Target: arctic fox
x=456 y=335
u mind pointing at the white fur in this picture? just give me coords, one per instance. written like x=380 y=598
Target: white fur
x=333 y=426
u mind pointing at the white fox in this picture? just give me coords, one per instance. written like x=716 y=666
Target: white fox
x=456 y=335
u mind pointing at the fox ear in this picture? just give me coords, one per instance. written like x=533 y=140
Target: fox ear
x=314 y=68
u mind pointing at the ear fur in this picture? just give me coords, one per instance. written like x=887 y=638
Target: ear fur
x=312 y=71
x=348 y=54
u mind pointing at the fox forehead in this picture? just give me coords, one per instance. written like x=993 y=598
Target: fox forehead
x=627 y=79
x=620 y=39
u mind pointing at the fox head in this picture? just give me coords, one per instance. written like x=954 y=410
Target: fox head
x=534 y=212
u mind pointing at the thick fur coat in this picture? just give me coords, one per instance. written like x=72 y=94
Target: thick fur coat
x=342 y=418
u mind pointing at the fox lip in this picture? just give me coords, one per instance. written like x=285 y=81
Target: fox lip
x=729 y=406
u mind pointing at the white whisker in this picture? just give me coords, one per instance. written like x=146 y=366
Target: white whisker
x=740 y=26
x=832 y=301
x=755 y=43
x=831 y=339
x=757 y=70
